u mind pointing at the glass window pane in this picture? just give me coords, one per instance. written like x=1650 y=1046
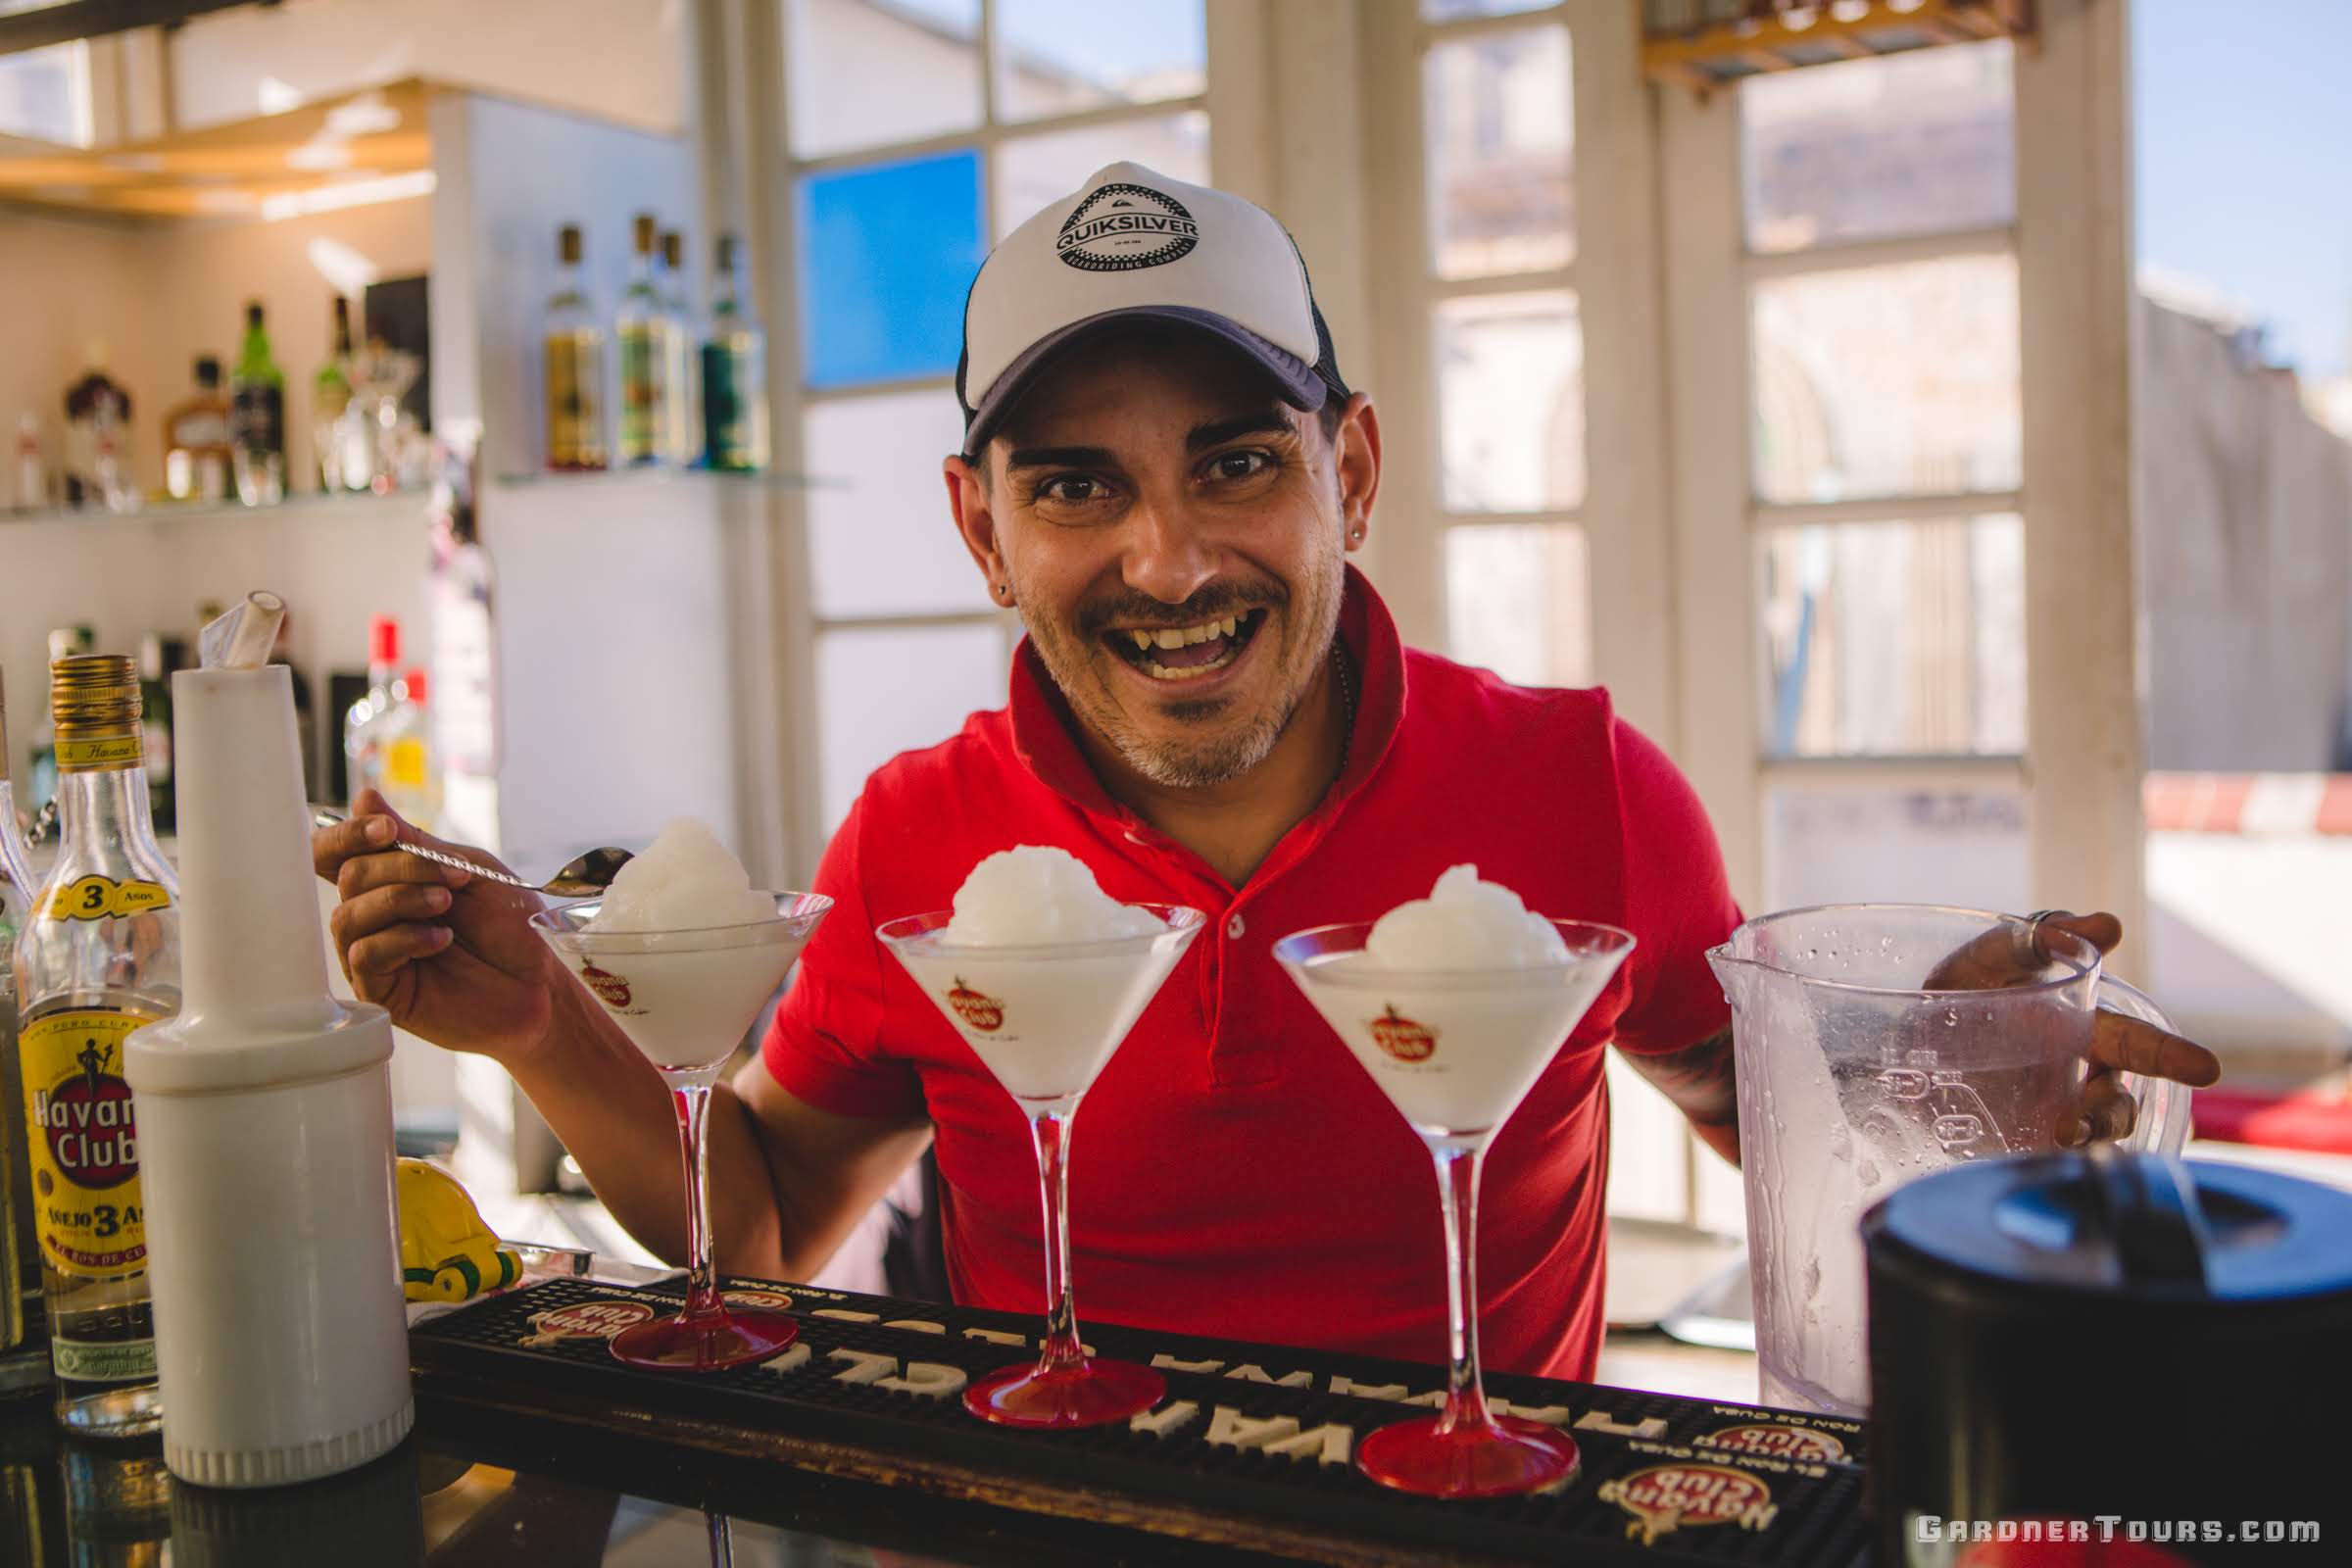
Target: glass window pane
x=1916 y=144
x=883 y=690
x=1515 y=601
x=45 y=93
x=887 y=252
x=1498 y=134
x=882 y=540
x=867 y=73
x=1032 y=170
x=1511 y=402
x=1888 y=382
x=1892 y=639
x=1831 y=845
x=1455 y=10
x=1054 y=57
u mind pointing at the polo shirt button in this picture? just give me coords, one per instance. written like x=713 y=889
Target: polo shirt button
x=1134 y=837
x=1234 y=927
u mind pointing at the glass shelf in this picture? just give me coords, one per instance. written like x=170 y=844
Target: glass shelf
x=667 y=473
x=361 y=504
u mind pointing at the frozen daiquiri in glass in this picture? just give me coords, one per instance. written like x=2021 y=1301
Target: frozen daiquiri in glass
x=1455 y=1004
x=1042 y=974
x=683 y=953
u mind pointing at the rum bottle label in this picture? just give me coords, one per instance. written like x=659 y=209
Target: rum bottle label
x=84 y=1143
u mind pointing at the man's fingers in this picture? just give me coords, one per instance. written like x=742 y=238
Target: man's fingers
x=2102 y=931
x=2118 y=1040
x=2106 y=1114
x=391 y=869
x=373 y=961
x=381 y=909
x=338 y=842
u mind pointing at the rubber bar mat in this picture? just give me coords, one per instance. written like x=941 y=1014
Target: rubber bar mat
x=1252 y=1444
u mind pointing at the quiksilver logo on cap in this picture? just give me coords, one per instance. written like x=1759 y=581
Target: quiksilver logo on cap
x=1121 y=227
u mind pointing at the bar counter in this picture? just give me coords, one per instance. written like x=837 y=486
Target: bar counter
x=533 y=1445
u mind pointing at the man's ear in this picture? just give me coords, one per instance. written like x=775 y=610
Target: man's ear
x=1357 y=455
x=975 y=519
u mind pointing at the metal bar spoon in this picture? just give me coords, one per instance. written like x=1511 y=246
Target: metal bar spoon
x=583 y=877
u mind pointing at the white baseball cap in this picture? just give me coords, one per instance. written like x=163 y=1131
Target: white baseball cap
x=1132 y=243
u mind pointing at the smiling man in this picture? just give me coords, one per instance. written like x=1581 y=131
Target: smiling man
x=1164 y=473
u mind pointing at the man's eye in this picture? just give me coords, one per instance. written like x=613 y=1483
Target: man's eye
x=1239 y=464
x=1069 y=489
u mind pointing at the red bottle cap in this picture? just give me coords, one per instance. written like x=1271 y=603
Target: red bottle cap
x=413 y=683
x=383 y=641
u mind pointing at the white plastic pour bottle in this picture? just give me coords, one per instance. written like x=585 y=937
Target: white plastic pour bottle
x=265 y=1116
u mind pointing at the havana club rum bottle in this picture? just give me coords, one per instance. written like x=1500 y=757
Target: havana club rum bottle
x=99 y=955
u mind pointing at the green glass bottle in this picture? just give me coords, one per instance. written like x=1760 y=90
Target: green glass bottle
x=257 y=416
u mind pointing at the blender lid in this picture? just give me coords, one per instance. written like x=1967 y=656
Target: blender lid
x=2143 y=1225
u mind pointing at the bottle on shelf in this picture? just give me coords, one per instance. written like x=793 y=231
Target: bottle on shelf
x=411 y=783
x=41 y=784
x=196 y=439
x=99 y=958
x=364 y=725
x=32 y=469
x=734 y=375
x=330 y=406
x=20 y=1253
x=155 y=720
x=575 y=367
x=682 y=424
x=257 y=396
x=642 y=329
x=98 y=440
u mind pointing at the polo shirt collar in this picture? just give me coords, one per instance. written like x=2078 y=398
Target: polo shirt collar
x=1043 y=729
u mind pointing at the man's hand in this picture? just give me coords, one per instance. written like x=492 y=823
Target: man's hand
x=452 y=956
x=2119 y=1044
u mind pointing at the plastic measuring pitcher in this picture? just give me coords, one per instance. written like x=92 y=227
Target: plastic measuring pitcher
x=1854 y=1078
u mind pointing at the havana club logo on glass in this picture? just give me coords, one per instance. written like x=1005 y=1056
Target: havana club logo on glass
x=610 y=987
x=976 y=1009
x=1402 y=1038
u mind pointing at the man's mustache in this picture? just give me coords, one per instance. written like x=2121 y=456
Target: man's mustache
x=1213 y=602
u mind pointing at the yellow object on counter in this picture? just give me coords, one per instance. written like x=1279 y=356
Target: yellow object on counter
x=446 y=1252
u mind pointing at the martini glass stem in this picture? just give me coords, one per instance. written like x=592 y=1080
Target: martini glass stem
x=1458 y=1161
x=1049 y=1131
x=692 y=1099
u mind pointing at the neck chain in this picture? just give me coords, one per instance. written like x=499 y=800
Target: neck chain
x=1338 y=668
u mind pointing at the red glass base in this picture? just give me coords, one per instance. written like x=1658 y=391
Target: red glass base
x=675 y=1344
x=1470 y=1461
x=1083 y=1395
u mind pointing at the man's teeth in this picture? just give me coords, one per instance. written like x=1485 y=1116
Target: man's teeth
x=1175 y=637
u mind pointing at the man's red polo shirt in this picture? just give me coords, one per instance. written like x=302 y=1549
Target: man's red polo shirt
x=1234 y=1172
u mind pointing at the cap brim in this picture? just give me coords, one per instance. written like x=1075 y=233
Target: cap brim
x=1293 y=377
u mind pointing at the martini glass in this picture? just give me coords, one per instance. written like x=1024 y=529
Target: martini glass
x=1456 y=1052
x=1045 y=1019
x=686 y=999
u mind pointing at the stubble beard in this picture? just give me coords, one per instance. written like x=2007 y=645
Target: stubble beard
x=1216 y=758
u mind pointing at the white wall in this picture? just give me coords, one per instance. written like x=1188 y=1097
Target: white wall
x=2247 y=518
x=622 y=59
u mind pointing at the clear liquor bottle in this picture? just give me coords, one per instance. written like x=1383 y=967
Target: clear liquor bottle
x=98 y=957
x=575 y=367
x=642 y=330
x=734 y=376
x=682 y=418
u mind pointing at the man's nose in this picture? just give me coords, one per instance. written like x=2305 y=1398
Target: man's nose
x=1168 y=556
